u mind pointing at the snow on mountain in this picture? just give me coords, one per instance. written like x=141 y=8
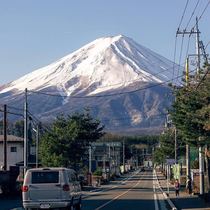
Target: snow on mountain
x=104 y=64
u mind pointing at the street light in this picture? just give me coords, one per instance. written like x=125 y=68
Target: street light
x=37 y=145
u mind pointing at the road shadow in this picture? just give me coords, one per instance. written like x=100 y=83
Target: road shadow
x=189 y=202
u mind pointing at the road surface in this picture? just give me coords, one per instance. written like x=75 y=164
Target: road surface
x=137 y=190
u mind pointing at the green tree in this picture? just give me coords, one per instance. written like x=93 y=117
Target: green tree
x=166 y=147
x=191 y=111
x=18 y=128
x=66 y=143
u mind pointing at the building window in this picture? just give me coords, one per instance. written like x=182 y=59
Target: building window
x=13 y=149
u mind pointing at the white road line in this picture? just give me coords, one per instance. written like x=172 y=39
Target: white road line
x=107 y=189
x=155 y=195
x=115 y=198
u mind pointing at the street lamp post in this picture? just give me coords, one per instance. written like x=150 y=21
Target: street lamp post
x=37 y=145
x=90 y=160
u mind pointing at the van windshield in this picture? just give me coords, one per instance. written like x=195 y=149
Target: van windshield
x=42 y=177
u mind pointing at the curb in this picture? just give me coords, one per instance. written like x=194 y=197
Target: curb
x=173 y=207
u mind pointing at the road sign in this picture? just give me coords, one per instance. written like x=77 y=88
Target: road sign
x=170 y=161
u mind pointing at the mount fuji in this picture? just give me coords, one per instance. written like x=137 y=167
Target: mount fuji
x=124 y=84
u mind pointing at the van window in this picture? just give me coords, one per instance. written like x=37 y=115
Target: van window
x=41 y=177
x=72 y=177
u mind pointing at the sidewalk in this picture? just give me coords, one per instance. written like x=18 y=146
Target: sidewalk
x=184 y=201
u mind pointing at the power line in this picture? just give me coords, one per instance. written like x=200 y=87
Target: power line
x=203 y=78
x=202 y=14
x=12 y=107
x=13 y=113
x=204 y=10
x=106 y=95
x=183 y=13
x=207 y=45
x=192 y=14
x=130 y=118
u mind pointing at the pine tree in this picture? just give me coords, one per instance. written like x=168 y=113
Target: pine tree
x=67 y=142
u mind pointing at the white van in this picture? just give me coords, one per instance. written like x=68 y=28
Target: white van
x=51 y=188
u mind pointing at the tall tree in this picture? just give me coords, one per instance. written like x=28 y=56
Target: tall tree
x=66 y=143
x=191 y=111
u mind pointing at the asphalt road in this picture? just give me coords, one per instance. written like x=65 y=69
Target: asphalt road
x=138 y=190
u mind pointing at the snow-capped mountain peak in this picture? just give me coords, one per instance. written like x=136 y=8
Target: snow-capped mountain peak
x=104 y=64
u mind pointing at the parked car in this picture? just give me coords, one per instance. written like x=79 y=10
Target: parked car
x=51 y=188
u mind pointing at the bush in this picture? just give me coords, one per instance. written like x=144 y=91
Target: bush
x=97 y=172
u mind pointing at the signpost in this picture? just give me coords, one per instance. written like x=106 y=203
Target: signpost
x=169 y=162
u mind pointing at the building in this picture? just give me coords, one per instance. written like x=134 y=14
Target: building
x=108 y=156
x=14 y=150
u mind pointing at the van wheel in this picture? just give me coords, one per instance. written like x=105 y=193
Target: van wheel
x=72 y=207
x=78 y=206
x=69 y=208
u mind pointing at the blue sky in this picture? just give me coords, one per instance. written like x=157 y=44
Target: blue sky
x=35 y=33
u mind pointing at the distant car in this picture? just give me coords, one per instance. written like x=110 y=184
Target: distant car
x=51 y=188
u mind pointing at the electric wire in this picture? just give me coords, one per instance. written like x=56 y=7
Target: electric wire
x=192 y=14
x=13 y=113
x=204 y=10
x=199 y=18
x=16 y=108
x=183 y=14
x=207 y=45
x=101 y=120
x=107 y=95
x=203 y=78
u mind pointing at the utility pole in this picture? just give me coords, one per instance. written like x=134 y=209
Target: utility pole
x=123 y=156
x=198 y=48
x=25 y=155
x=196 y=32
x=175 y=145
x=90 y=159
x=5 y=137
x=201 y=170
x=201 y=161
x=37 y=146
x=188 y=160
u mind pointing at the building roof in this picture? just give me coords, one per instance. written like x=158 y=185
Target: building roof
x=11 y=138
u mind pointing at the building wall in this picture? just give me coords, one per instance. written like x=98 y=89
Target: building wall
x=13 y=155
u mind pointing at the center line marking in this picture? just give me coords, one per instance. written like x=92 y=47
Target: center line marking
x=115 y=198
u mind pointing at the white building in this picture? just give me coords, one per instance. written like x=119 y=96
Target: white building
x=14 y=150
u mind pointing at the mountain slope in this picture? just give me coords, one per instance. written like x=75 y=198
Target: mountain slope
x=106 y=67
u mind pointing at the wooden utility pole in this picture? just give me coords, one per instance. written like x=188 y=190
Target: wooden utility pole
x=197 y=33
x=37 y=145
x=201 y=160
x=25 y=155
x=123 y=156
x=175 y=145
x=5 y=137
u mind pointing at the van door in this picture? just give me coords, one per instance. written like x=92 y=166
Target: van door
x=45 y=185
x=71 y=184
x=76 y=185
